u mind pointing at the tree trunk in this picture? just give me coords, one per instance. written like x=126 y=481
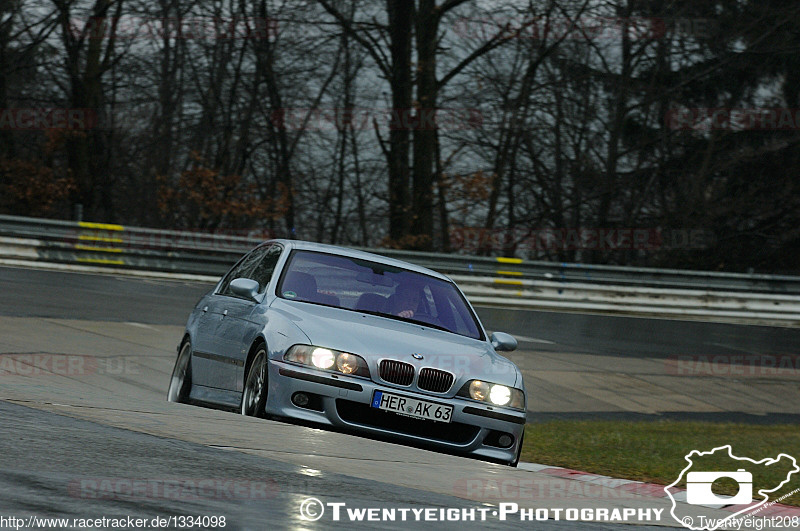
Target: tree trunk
x=425 y=126
x=400 y=24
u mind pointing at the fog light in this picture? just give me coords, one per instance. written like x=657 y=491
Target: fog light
x=300 y=399
x=505 y=441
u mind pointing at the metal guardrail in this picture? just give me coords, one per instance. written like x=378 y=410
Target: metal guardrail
x=127 y=247
x=493 y=281
x=756 y=308
x=515 y=269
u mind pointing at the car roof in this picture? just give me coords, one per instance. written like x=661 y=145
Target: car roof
x=354 y=253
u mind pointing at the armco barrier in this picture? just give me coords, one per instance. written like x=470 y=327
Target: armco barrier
x=506 y=282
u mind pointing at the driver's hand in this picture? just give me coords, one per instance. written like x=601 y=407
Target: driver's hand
x=406 y=313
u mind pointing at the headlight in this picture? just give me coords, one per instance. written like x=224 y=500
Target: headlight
x=347 y=363
x=500 y=395
x=478 y=390
x=327 y=360
x=496 y=394
x=322 y=358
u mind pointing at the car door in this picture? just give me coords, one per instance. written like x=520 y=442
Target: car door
x=240 y=325
x=208 y=356
x=203 y=342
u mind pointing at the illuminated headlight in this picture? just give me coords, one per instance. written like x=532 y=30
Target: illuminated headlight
x=496 y=394
x=322 y=358
x=500 y=395
x=327 y=360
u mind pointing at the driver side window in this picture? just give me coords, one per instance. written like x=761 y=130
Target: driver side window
x=258 y=266
x=263 y=271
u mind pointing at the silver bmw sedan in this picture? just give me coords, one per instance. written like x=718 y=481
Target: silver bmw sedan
x=355 y=341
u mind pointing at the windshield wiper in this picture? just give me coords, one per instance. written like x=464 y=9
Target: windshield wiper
x=423 y=323
x=406 y=320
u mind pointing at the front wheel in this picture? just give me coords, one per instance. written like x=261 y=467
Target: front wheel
x=181 y=382
x=515 y=462
x=254 y=396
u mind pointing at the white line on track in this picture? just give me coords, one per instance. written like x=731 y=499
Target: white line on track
x=140 y=325
x=534 y=340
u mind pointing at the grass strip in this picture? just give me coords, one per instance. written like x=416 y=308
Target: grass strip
x=655 y=452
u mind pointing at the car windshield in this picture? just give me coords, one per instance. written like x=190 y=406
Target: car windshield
x=379 y=289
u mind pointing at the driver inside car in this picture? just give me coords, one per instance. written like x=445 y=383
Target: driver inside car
x=405 y=301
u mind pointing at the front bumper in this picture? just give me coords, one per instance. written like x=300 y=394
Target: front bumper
x=344 y=402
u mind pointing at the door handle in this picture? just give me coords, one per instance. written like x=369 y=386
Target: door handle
x=224 y=313
x=205 y=309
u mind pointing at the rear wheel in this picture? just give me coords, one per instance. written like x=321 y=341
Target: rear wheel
x=254 y=397
x=181 y=382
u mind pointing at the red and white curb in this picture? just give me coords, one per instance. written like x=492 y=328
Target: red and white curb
x=652 y=489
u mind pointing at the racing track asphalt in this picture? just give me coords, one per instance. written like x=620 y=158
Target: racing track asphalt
x=109 y=419
x=581 y=365
x=55 y=465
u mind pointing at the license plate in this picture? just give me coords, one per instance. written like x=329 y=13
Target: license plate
x=411 y=407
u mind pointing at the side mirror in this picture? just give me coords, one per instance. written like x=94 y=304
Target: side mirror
x=246 y=288
x=503 y=342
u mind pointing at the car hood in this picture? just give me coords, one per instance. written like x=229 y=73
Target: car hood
x=374 y=338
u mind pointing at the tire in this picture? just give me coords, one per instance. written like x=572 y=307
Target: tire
x=181 y=382
x=515 y=462
x=254 y=394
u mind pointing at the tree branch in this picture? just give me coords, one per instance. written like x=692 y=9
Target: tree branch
x=377 y=56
